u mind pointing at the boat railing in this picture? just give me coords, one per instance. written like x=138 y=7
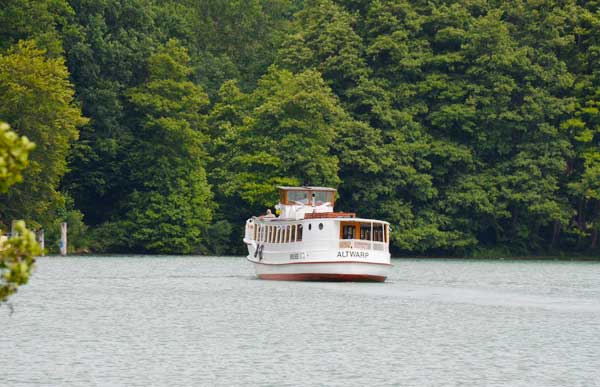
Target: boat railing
x=346 y=244
x=364 y=245
x=379 y=246
x=361 y=245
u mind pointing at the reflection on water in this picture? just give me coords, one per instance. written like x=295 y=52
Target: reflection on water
x=138 y=321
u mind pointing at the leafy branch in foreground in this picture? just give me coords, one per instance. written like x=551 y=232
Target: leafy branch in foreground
x=16 y=254
x=16 y=260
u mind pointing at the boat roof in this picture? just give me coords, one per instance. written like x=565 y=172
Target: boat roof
x=307 y=188
x=354 y=220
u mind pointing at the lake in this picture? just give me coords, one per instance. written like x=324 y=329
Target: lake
x=183 y=321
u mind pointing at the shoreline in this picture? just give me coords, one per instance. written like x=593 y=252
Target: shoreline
x=575 y=257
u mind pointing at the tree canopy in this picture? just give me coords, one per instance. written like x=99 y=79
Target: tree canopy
x=471 y=126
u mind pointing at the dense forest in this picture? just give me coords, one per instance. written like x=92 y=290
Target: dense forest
x=472 y=126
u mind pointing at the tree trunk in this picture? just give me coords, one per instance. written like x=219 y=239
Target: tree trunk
x=580 y=219
x=555 y=233
x=514 y=222
x=580 y=222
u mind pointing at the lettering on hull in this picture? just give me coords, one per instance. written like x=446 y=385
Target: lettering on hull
x=353 y=254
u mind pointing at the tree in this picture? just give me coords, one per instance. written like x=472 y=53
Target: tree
x=323 y=38
x=39 y=20
x=37 y=98
x=106 y=50
x=280 y=134
x=234 y=39
x=171 y=204
x=285 y=137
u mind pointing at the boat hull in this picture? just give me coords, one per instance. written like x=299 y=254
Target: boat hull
x=339 y=271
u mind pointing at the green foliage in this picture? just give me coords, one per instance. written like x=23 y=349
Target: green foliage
x=281 y=134
x=283 y=137
x=325 y=40
x=78 y=232
x=170 y=206
x=220 y=237
x=41 y=20
x=106 y=48
x=471 y=126
x=16 y=260
x=17 y=253
x=459 y=108
x=14 y=151
x=36 y=97
x=234 y=39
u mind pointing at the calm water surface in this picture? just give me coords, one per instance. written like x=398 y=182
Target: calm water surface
x=170 y=321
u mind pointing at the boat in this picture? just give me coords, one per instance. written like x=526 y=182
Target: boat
x=306 y=240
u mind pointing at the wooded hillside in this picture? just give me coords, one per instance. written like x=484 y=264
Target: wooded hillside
x=472 y=126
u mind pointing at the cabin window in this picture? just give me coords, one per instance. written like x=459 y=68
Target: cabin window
x=299 y=233
x=348 y=231
x=322 y=197
x=365 y=231
x=320 y=226
x=297 y=197
x=293 y=233
x=378 y=232
x=309 y=226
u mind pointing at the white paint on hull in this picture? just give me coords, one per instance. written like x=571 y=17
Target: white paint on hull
x=338 y=270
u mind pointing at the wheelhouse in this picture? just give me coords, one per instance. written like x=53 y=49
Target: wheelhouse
x=296 y=202
x=307 y=196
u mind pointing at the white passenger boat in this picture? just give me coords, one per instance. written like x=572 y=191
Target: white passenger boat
x=309 y=241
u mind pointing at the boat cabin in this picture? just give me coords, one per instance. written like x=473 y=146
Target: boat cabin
x=295 y=202
x=306 y=215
